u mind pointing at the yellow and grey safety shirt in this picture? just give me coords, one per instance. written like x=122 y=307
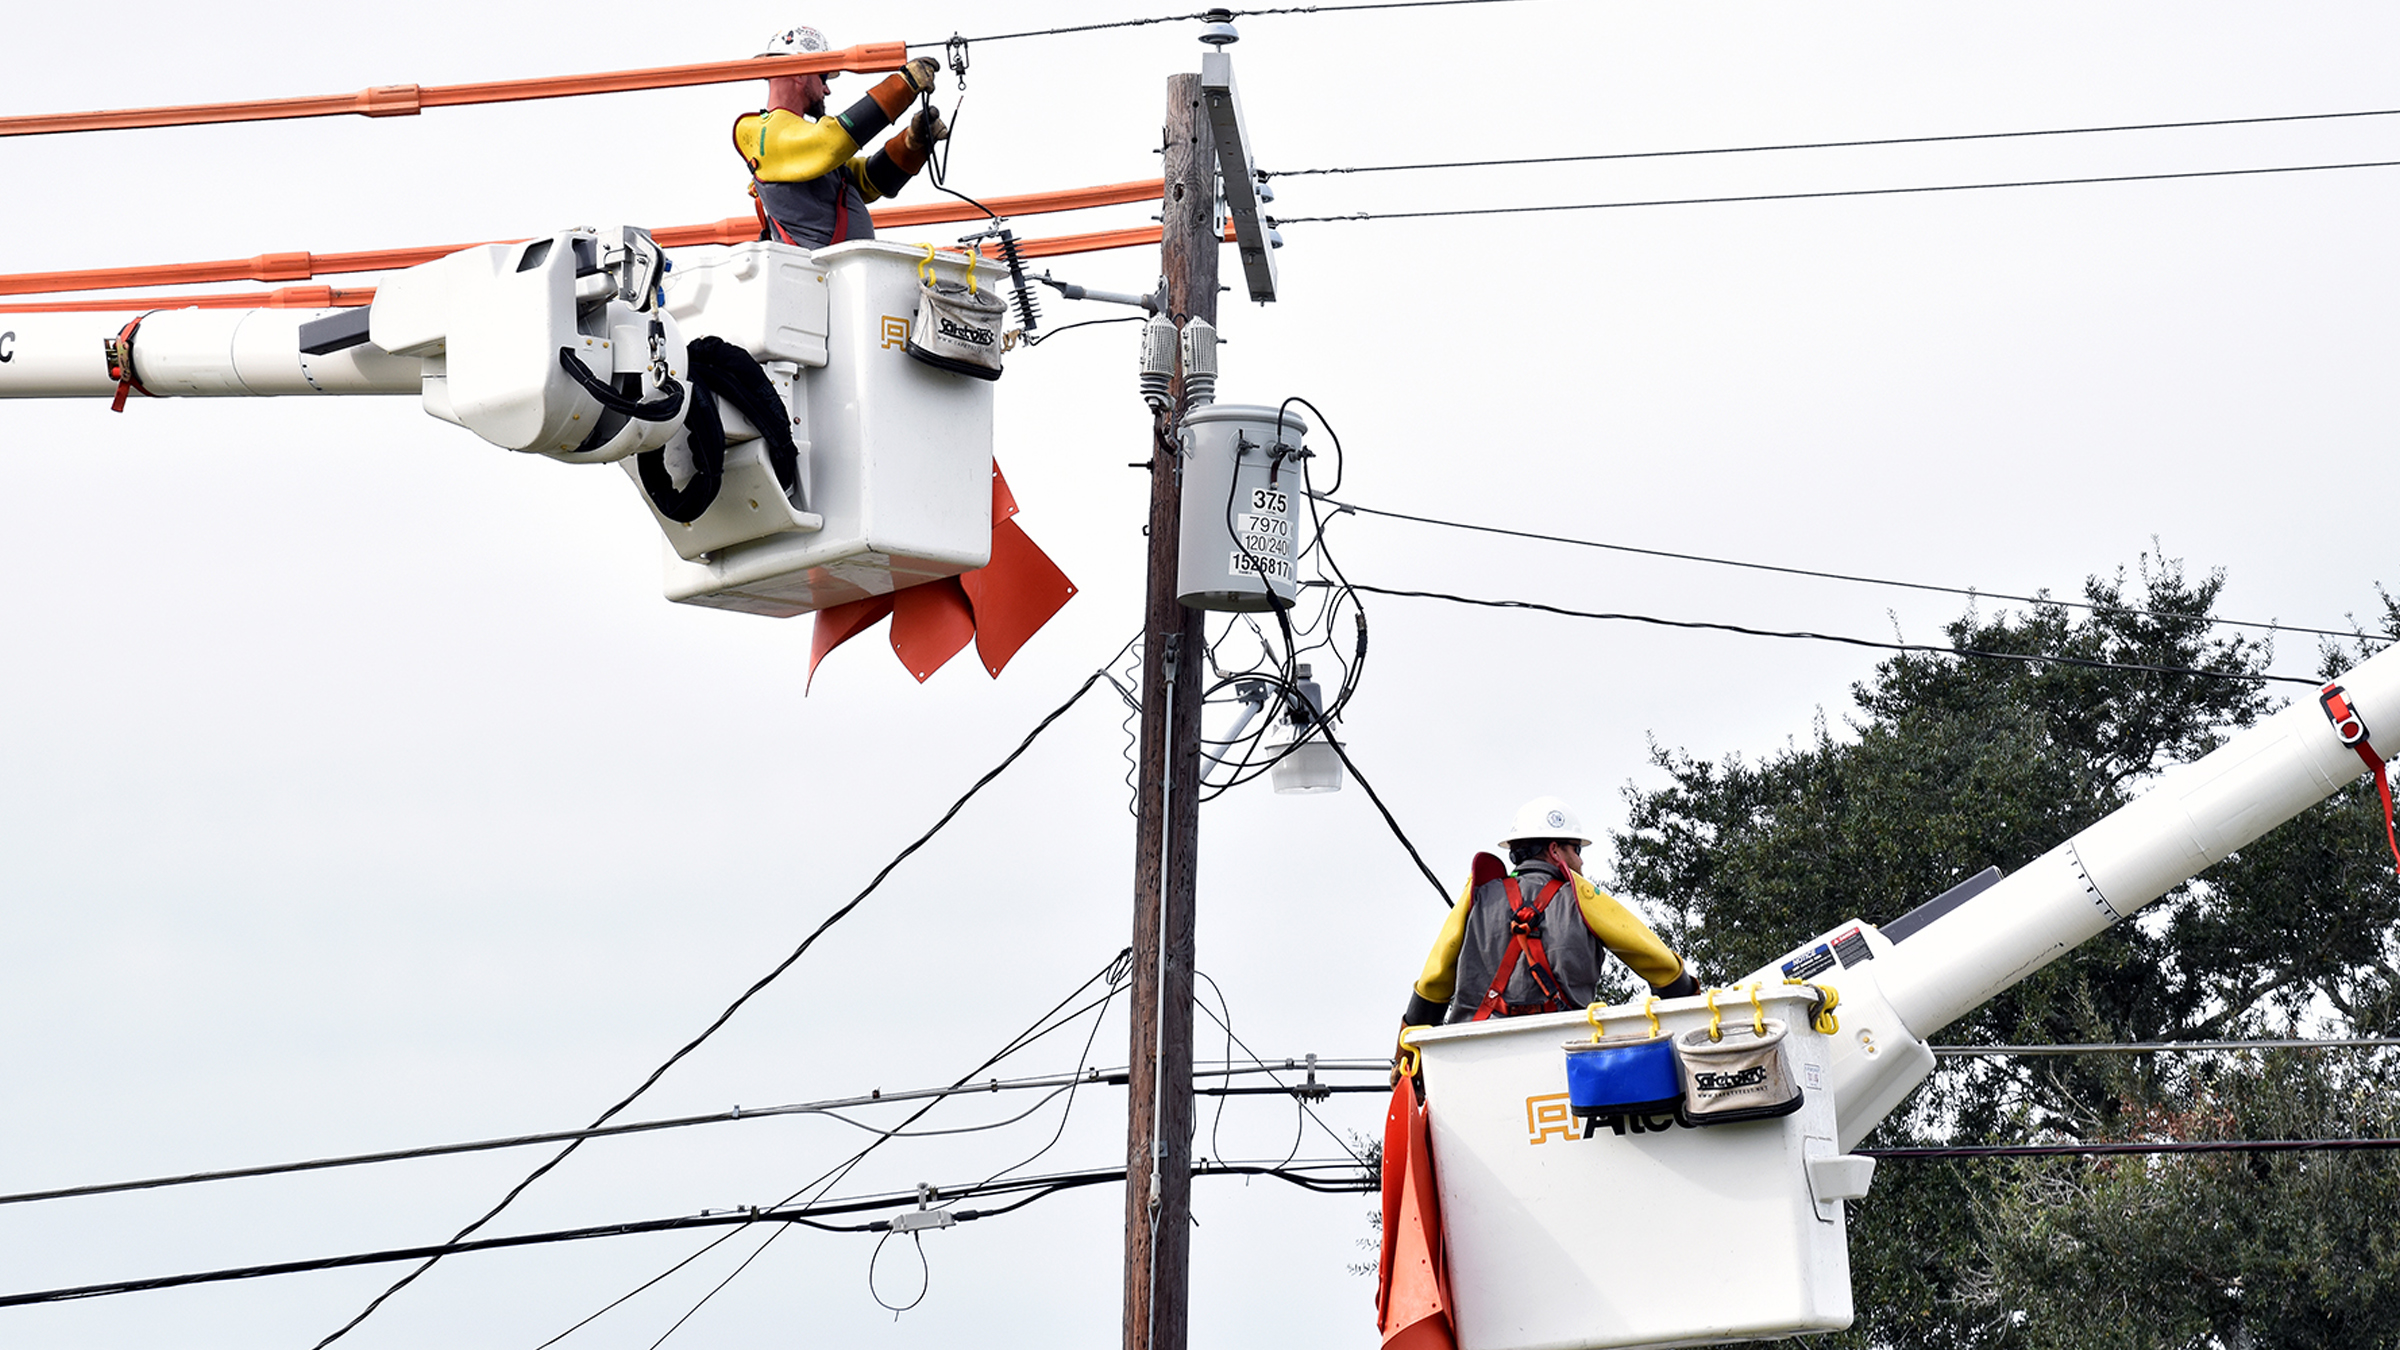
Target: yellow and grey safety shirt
x=811 y=183
x=1579 y=922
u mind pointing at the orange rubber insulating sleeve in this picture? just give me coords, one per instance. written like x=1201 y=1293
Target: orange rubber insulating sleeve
x=401 y=100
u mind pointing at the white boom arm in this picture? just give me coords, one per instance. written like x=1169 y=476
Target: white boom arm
x=1895 y=994
x=489 y=337
x=574 y=346
x=192 y=352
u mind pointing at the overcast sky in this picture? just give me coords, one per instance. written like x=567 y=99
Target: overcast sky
x=358 y=789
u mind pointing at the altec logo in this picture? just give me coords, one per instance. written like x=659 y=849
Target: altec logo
x=895 y=331
x=1548 y=1118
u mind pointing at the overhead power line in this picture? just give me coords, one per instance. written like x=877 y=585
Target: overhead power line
x=1968 y=591
x=817 y=1187
x=1330 y=1176
x=2106 y=1150
x=1198 y=15
x=1845 y=192
x=738 y=1003
x=1116 y=973
x=2028 y=658
x=2170 y=1047
x=1832 y=145
x=1096 y=1077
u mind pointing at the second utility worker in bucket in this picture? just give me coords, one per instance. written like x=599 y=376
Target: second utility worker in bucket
x=811 y=183
x=1531 y=940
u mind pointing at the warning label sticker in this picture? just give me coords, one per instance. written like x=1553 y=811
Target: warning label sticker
x=1809 y=964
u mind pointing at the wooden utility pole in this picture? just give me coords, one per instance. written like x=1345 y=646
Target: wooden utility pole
x=1158 y=1134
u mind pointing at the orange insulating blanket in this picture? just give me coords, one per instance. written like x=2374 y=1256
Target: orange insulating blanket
x=1412 y=1297
x=998 y=606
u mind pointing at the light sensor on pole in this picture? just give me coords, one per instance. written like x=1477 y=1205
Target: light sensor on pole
x=1311 y=766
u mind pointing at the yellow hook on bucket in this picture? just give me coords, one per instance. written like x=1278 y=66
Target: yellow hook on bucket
x=1821 y=1016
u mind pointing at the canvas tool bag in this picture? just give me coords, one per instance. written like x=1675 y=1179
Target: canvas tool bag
x=958 y=329
x=1745 y=1074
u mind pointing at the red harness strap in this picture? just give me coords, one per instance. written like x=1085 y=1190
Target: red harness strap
x=758 y=201
x=841 y=215
x=1524 y=940
x=2352 y=728
x=120 y=365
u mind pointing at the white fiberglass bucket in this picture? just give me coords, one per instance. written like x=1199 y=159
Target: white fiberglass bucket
x=897 y=454
x=1666 y=1236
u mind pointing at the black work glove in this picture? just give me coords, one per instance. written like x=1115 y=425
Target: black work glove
x=1684 y=986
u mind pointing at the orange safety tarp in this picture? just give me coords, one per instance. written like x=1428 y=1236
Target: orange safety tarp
x=998 y=607
x=1412 y=1292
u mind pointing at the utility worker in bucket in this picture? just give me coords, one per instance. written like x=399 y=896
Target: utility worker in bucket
x=1531 y=940
x=811 y=184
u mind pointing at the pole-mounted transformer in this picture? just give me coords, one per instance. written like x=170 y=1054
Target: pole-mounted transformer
x=1241 y=479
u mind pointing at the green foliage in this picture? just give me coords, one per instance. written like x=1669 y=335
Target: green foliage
x=2285 y=1250
x=1947 y=765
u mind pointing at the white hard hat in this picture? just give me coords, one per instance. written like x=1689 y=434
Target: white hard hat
x=1546 y=818
x=801 y=41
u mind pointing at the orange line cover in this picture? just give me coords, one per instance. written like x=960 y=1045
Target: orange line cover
x=328 y=297
x=289 y=297
x=732 y=230
x=406 y=100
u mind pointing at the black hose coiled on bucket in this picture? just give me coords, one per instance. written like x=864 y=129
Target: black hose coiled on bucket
x=721 y=370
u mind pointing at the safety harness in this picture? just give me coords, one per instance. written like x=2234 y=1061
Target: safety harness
x=1525 y=941
x=2352 y=728
x=758 y=198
